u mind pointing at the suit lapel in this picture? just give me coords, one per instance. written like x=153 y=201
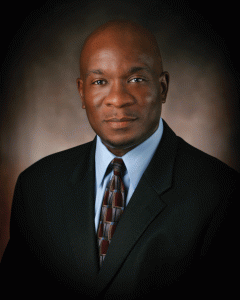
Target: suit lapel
x=80 y=215
x=144 y=206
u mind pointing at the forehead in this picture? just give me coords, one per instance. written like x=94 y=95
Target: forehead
x=116 y=52
x=120 y=60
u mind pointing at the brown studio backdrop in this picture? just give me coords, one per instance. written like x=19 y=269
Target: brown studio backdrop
x=40 y=106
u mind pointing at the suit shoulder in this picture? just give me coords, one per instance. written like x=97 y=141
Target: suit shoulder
x=66 y=157
x=198 y=156
x=197 y=164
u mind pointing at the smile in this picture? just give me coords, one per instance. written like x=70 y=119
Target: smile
x=120 y=123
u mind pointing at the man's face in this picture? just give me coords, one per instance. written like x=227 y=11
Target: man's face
x=122 y=93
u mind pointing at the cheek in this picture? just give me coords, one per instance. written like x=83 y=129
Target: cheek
x=150 y=103
x=93 y=101
x=94 y=96
x=92 y=113
x=147 y=95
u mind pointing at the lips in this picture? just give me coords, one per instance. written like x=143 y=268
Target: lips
x=119 y=123
x=125 y=119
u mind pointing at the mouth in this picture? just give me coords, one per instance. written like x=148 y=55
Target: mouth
x=124 y=119
x=118 y=123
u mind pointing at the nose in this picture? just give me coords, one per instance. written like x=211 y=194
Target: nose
x=119 y=96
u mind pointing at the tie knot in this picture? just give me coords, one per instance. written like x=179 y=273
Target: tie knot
x=118 y=166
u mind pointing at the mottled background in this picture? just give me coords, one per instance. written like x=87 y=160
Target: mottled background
x=40 y=110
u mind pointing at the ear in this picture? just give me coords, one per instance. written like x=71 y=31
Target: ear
x=80 y=91
x=164 y=84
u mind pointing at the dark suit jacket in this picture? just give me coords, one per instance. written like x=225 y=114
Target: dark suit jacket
x=177 y=237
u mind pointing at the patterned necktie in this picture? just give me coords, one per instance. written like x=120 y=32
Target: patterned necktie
x=112 y=208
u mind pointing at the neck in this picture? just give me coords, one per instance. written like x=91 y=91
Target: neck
x=119 y=152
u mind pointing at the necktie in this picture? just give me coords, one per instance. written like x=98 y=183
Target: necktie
x=112 y=208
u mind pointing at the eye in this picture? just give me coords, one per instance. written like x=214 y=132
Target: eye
x=99 y=82
x=137 y=79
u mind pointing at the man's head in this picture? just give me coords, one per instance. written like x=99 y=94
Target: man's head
x=122 y=84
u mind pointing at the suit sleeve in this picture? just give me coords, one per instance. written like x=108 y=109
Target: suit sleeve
x=219 y=257
x=13 y=266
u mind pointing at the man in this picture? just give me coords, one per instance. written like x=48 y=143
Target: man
x=176 y=231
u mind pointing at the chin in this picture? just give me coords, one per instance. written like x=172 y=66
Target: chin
x=120 y=144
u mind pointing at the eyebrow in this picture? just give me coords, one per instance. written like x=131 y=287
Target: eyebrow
x=100 y=72
x=136 y=69
x=132 y=70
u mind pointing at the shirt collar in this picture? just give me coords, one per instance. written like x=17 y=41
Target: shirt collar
x=136 y=160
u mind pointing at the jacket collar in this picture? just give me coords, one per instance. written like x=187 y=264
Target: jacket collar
x=159 y=172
